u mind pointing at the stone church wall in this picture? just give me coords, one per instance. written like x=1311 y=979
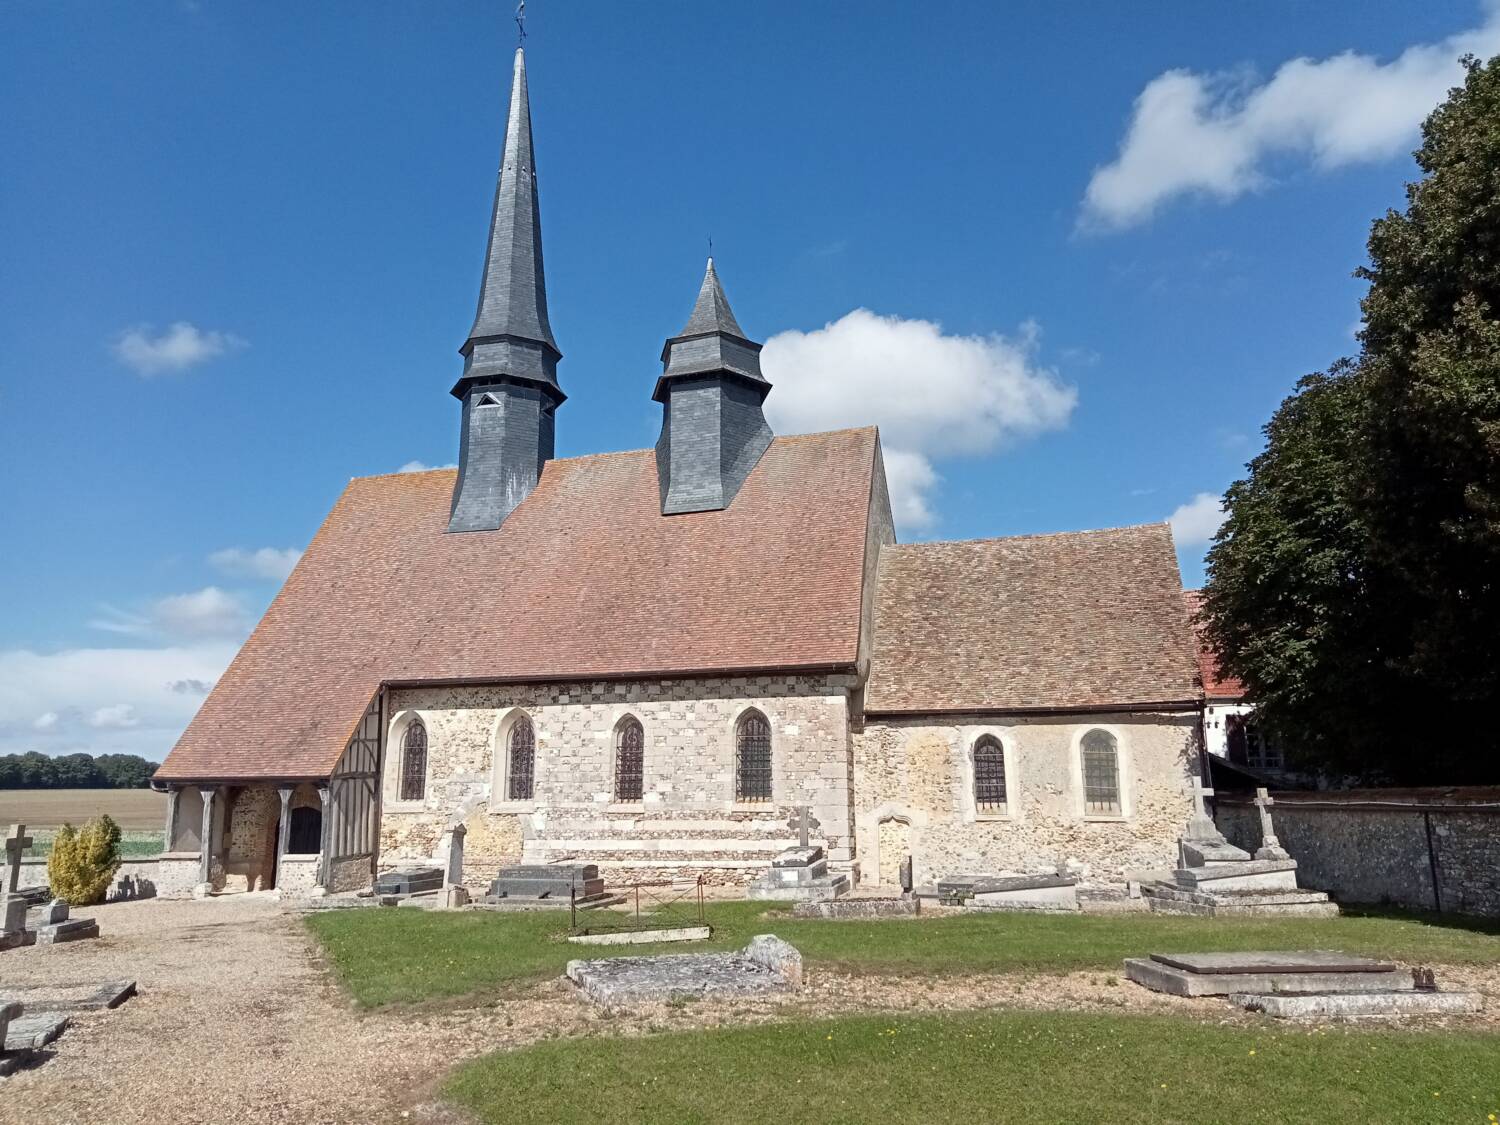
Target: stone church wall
x=913 y=782
x=688 y=822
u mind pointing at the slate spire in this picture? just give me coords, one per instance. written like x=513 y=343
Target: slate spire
x=713 y=428
x=511 y=334
x=509 y=385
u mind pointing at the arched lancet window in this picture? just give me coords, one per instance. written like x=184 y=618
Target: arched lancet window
x=414 y=762
x=520 y=777
x=1101 y=773
x=630 y=760
x=989 y=774
x=752 y=758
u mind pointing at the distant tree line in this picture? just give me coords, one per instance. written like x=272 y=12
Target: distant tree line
x=75 y=771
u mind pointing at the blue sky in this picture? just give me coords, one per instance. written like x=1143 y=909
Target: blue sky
x=1097 y=244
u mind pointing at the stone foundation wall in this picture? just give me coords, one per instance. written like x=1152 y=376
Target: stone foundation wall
x=250 y=846
x=351 y=874
x=687 y=823
x=1364 y=850
x=913 y=782
x=137 y=878
x=176 y=875
x=297 y=875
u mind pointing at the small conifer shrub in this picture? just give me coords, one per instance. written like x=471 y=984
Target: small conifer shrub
x=84 y=861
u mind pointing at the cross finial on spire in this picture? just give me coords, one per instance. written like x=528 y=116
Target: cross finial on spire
x=521 y=24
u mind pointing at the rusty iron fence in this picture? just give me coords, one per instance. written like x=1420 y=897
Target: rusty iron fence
x=670 y=904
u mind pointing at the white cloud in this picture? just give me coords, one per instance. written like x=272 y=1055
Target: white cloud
x=1213 y=134
x=103 y=700
x=419 y=467
x=181 y=346
x=932 y=395
x=117 y=716
x=209 y=612
x=264 y=562
x=1198 y=520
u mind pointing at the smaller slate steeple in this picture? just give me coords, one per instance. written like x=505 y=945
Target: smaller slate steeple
x=509 y=386
x=713 y=430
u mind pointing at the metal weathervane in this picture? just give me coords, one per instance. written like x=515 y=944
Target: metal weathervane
x=521 y=24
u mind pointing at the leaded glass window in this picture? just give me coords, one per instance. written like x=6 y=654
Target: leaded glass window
x=414 y=762
x=630 y=761
x=752 y=758
x=989 y=774
x=520 y=778
x=1101 y=774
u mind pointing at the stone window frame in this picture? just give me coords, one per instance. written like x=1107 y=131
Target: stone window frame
x=1007 y=739
x=613 y=762
x=1124 y=766
x=500 y=761
x=736 y=803
x=391 y=779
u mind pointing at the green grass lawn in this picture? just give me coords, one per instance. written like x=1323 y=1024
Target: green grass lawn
x=1032 y=1067
x=406 y=956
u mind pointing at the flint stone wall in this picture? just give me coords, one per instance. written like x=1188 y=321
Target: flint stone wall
x=688 y=822
x=914 y=788
x=1365 y=847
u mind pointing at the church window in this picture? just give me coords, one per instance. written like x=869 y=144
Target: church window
x=520 y=778
x=414 y=762
x=1101 y=774
x=989 y=775
x=752 y=758
x=630 y=760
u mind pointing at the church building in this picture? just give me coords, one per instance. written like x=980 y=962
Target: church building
x=651 y=660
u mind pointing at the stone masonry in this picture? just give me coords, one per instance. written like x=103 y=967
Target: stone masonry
x=688 y=821
x=913 y=781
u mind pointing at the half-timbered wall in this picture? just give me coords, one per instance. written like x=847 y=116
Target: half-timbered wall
x=353 y=828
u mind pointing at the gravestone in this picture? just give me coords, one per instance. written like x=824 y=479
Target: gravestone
x=54 y=912
x=1270 y=846
x=1213 y=877
x=13 y=904
x=456 y=855
x=768 y=965
x=799 y=874
x=1055 y=891
x=552 y=882
x=409 y=881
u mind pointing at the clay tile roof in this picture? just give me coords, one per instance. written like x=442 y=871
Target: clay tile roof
x=585 y=580
x=1091 y=619
x=1216 y=685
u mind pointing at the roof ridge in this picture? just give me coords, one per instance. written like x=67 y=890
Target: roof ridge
x=1033 y=535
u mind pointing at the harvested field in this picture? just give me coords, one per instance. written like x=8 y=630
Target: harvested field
x=138 y=809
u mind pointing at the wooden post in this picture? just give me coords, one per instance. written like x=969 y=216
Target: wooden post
x=171 y=829
x=206 y=845
x=325 y=843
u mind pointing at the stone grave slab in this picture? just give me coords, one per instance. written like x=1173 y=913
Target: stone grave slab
x=69 y=997
x=29 y=1032
x=1274 y=961
x=1358 y=1005
x=1276 y=971
x=766 y=966
x=409 y=881
x=858 y=908
x=73 y=929
x=548 y=881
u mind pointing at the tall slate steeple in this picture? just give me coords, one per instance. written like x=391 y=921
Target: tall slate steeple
x=509 y=385
x=713 y=430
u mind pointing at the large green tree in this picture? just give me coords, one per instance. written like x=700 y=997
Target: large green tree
x=1355 y=585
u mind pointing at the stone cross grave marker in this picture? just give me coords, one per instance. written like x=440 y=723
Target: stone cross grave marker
x=1270 y=846
x=802 y=822
x=16 y=843
x=12 y=906
x=1201 y=828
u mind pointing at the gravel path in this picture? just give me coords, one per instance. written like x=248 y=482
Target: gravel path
x=236 y=1021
